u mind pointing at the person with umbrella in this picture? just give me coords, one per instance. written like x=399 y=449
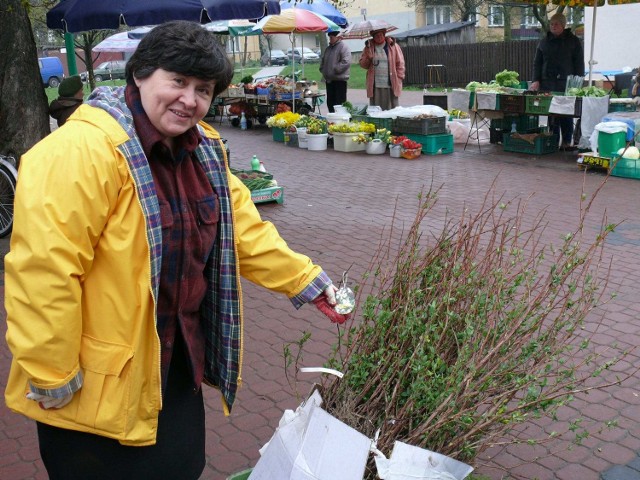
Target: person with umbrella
x=384 y=62
x=122 y=285
x=335 y=67
x=558 y=55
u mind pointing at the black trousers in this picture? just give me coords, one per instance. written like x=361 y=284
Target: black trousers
x=562 y=126
x=178 y=454
x=336 y=93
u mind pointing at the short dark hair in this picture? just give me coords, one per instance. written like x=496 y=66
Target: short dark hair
x=182 y=47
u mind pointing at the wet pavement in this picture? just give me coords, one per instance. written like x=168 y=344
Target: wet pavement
x=336 y=207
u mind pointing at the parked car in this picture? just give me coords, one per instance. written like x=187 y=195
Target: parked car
x=51 y=71
x=111 y=70
x=297 y=54
x=278 y=57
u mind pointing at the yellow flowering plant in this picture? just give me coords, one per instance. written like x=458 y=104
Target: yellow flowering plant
x=283 y=119
x=352 y=127
x=378 y=134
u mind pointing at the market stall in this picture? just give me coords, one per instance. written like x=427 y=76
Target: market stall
x=510 y=110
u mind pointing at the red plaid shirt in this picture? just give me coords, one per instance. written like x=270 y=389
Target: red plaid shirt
x=190 y=211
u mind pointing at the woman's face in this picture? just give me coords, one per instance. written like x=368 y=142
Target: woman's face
x=378 y=38
x=174 y=102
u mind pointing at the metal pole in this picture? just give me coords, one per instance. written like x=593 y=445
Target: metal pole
x=71 y=54
x=592 y=62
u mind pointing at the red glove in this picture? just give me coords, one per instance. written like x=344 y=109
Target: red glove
x=322 y=302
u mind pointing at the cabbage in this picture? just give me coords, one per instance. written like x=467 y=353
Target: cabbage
x=629 y=152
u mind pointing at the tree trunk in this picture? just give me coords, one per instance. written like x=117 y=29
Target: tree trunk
x=507 y=23
x=24 y=116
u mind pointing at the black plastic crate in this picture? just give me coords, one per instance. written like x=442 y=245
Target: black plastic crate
x=421 y=126
x=512 y=103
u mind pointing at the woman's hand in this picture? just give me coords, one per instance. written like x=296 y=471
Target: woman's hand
x=46 y=402
x=535 y=86
x=326 y=301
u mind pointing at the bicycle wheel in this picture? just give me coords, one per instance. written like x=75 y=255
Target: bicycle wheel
x=7 y=194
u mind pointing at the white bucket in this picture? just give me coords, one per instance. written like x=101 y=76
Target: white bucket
x=317 y=141
x=338 y=117
x=340 y=109
x=302 y=137
x=395 y=151
x=376 y=147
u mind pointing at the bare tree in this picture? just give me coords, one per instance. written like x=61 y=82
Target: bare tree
x=24 y=117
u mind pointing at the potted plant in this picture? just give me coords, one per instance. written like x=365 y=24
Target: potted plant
x=317 y=134
x=408 y=148
x=377 y=142
x=343 y=135
x=280 y=122
x=301 y=128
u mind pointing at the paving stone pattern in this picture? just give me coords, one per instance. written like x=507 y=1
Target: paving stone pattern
x=336 y=207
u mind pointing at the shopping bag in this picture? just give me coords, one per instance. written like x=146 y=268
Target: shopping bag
x=311 y=444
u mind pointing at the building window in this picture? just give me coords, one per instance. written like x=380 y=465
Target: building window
x=496 y=16
x=574 y=15
x=438 y=15
x=529 y=19
x=473 y=17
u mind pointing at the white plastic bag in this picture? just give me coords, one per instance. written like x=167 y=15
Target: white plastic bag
x=310 y=444
x=414 y=463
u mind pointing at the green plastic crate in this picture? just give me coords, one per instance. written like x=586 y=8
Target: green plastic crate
x=537 y=104
x=622 y=107
x=524 y=123
x=378 y=122
x=542 y=145
x=625 y=167
x=433 y=144
x=610 y=143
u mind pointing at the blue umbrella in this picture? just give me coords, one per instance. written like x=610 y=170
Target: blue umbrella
x=82 y=15
x=322 y=7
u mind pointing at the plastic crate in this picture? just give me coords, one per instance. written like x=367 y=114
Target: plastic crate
x=381 y=122
x=512 y=103
x=433 y=144
x=343 y=142
x=610 y=143
x=542 y=145
x=422 y=126
x=524 y=123
x=537 y=104
x=439 y=100
x=622 y=107
x=625 y=167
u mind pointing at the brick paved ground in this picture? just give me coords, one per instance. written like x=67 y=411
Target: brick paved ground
x=336 y=206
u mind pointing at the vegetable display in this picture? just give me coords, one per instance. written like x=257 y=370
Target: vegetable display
x=508 y=78
x=255 y=180
x=592 y=91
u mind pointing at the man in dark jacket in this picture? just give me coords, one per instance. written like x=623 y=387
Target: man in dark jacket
x=70 y=97
x=335 y=67
x=559 y=55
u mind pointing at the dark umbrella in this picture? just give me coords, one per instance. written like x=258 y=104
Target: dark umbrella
x=81 y=15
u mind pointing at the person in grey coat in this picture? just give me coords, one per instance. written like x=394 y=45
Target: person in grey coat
x=335 y=67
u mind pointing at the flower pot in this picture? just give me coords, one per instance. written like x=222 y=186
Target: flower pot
x=291 y=139
x=395 y=151
x=343 y=142
x=302 y=137
x=278 y=134
x=317 y=141
x=376 y=147
x=411 y=153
